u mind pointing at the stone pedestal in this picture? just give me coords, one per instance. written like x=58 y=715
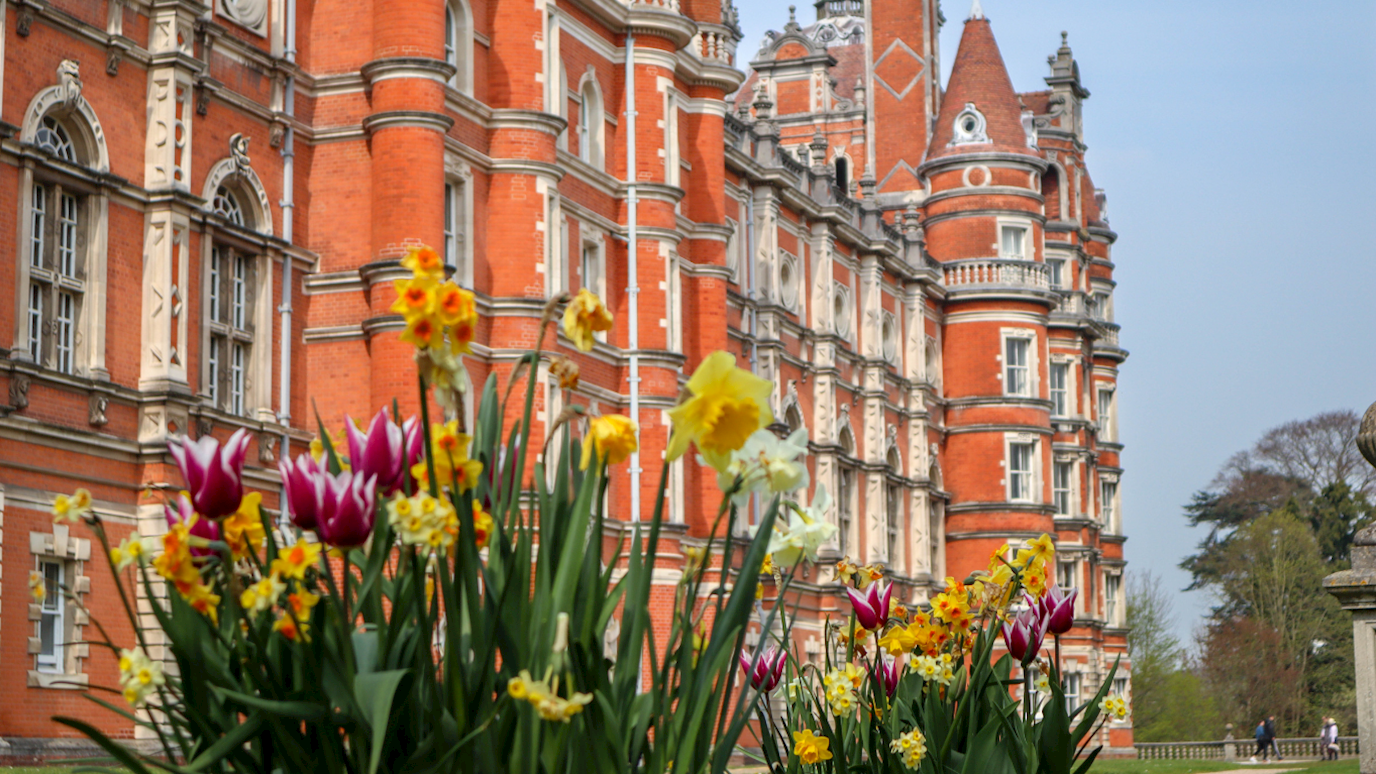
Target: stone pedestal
x=1356 y=590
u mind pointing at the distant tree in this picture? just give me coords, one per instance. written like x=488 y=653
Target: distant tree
x=1155 y=653
x=1335 y=515
x=1249 y=673
x=1191 y=715
x=1320 y=451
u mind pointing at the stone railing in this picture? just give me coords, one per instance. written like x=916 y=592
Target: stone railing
x=714 y=46
x=997 y=272
x=1071 y=305
x=659 y=5
x=1241 y=749
x=1110 y=337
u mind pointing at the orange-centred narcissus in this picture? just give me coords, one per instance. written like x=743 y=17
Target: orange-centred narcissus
x=613 y=436
x=585 y=315
x=727 y=405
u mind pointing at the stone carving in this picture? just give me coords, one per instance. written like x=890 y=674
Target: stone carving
x=276 y=135
x=96 y=409
x=970 y=127
x=204 y=427
x=252 y=14
x=69 y=79
x=202 y=100
x=267 y=448
x=25 y=21
x=112 y=59
x=238 y=151
x=19 y=392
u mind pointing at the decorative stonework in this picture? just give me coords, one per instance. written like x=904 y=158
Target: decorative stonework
x=99 y=401
x=249 y=14
x=19 y=392
x=69 y=80
x=267 y=448
x=970 y=127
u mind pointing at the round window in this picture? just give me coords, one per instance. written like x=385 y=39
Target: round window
x=968 y=124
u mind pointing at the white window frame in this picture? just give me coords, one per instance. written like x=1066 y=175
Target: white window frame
x=64 y=332
x=1027 y=370
x=54 y=609
x=1007 y=226
x=1060 y=395
x=1113 y=588
x=1063 y=487
x=1056 y=270
x=1108 y=505
x=1074 y=684
x=35 y=322
x=592 y=122
x=1106 y=407
x=672 y=162
x=1020 y=479
x=458 y=192
x=1067 y=574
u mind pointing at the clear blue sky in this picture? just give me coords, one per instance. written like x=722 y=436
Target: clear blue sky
x=1237 y=144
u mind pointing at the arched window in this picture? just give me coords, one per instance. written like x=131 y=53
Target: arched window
x=893 y=510
x=458 y=44
x=62 y=215
x=793 y=418
x=591 y=123
x=845 y=491
x=226 y=205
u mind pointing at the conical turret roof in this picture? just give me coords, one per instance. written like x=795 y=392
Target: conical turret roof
x=979 y=79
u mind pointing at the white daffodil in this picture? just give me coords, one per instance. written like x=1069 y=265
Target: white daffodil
x=804 y=534
x=764 y=464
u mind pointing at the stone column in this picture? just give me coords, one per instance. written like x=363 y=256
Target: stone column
x=1356 y=590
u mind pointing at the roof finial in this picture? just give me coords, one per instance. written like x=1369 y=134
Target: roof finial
x=976 y=11
x=1064 y=35
x=792 y=18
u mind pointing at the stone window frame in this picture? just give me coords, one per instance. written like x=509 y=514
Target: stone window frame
x=847 y=496
x=592 y=121
x=247 y=237
x=1033 y=364
x=73 y=553
x=458 y=179
x=86 y=175
x=1071 y=490
x=458 y=44
x=1071 y=395
x=895 y=511
x=1029 y=251
x=1034 y=466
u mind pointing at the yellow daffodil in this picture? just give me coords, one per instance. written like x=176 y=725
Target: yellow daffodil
x=294 y=561
x=424 y=262
x=585 y=315
x=243 y=529
x=38 y=586
x=262 y=595
x=449 y=451
x=898 y=640
x=72 y=508
x=483 y=526
x=869 y=574
x=1040 y=549
x=204 y=601
x=728 y=404
x=613 y=436
x=415 y=298
x=846 y=569
x=139 y=676
x=911 y=746
x=566 y=371
x=810 y=748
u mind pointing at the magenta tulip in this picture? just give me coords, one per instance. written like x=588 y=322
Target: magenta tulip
x=385 y=450
x=872 y=605
x=1023 y=635
x=765 y=670
x=345 y=518
x=305 y=488
x=1057 y=609
x=886 y=674
x=213 y=473
x=180 y=511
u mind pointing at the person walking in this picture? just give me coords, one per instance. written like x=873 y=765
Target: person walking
x=1328 y=739
x=1263 y=744
x=1269 y=733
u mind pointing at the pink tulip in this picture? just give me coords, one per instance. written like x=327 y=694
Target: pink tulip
x=203 y=528
x=304 y=488
x=872 y=605
x=1057 y=609
x=766 y=670
x=1023 y=635
x=345 y=518
x=886 y=674
x=385 y=451
x=213 y=474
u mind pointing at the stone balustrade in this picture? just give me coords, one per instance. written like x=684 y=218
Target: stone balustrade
x=661 y=5
x=1241 y=749
x=715 y=46
x=996 y=272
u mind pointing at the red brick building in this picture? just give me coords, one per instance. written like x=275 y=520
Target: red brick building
x=205 y=231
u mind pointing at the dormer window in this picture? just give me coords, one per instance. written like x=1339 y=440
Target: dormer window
x=970 y=127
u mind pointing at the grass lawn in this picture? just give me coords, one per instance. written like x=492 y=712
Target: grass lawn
x=1345 y=766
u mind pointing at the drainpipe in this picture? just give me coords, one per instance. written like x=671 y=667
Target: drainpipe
x=632 y=283
x=288 y=205
x=754 y=315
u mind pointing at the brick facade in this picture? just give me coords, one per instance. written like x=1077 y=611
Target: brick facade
x=925 y=276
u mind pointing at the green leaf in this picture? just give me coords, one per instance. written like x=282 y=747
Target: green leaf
x=227 y=743
x=116 y=750
x=296 y=710
x=375 y=691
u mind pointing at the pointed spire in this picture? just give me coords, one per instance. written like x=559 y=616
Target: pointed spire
x=980 y=98
x=976 y=10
